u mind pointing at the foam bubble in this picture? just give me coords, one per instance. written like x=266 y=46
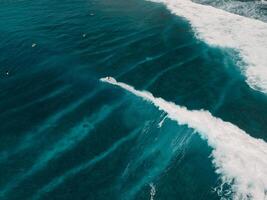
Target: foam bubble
x=240 y=159
x=221 y=28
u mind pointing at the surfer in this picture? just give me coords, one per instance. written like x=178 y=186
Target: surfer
x=109 y=78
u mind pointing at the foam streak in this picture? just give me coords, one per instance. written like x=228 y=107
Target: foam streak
x=67 y=143
x=74 y=171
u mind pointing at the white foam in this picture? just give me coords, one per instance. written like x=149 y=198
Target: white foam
x=152 y=191
x=161 y=122
x=239 y=158
x=224 y=29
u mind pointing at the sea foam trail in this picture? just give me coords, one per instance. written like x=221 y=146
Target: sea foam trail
x=221 y=28
x=28 y=141
x=240 y=159
x=74 y=171
x=68 y=142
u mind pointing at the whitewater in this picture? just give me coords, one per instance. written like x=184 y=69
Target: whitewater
x=239 y=159
x=220 y=28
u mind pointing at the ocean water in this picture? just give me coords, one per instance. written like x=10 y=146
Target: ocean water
x=184 y=115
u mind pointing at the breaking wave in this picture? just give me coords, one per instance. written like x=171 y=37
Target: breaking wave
x=221 y=28
x=240 y=159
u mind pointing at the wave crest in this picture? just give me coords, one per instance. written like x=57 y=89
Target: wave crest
x=240 y=159
x=221 y=28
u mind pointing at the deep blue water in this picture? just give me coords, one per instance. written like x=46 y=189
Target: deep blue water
x=65 y=135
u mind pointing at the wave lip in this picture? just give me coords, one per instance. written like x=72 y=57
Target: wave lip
x=240 y=159
x=221 y=28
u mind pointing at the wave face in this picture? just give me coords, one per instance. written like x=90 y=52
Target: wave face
x=241 y=160
x=218 y=27
x=66 y=135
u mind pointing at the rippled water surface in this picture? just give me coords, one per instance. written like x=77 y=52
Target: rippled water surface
x=66 y=135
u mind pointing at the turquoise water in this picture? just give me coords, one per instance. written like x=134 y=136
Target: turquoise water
x=66 y=135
